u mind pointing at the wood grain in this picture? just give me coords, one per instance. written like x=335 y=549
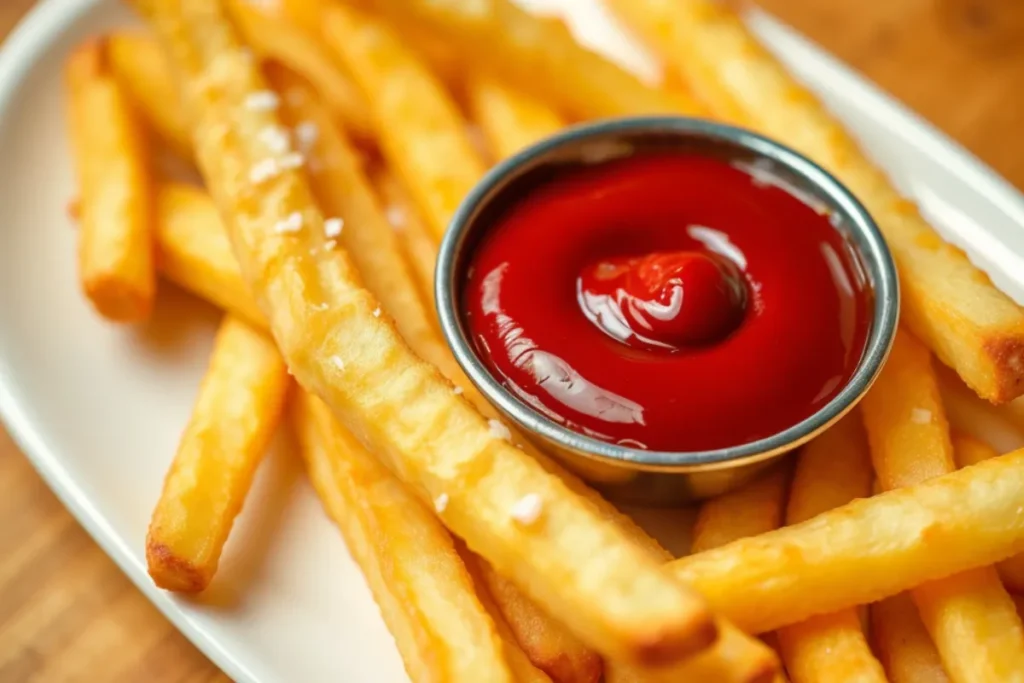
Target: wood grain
x=68 y=614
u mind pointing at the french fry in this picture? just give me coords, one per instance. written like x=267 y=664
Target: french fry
x=946 y=301
x=342 y=190
x=236 y=413
x=115 y=247
x=832 y=470
x=409 y=559
x=140 y=66
x=752 y=509
x=970 y=616
x=275 y=38
x=511 y=121
x=517 y=47
x=421 y=132
x=970 y=451
x=903 y=645
x=193 y=251
x=866 y=550
x=619 y=601
x=418 y=245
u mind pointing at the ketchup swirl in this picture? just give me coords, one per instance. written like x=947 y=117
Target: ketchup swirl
x=667 y=302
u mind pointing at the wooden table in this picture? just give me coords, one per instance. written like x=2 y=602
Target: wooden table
x=68 y=614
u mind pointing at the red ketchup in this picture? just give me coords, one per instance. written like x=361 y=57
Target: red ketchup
x=668 y=302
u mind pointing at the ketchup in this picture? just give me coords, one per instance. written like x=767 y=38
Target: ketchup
x=668 y=302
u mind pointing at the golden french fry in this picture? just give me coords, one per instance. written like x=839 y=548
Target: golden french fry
x=903 y=645
x=948 y=303
x=619 y=601
x=752 y=509
x=832 y=470
x=970 y=616
x=236 y=413
x=537 y=55
x=274 y=37
x=567 y=660
x=142 y=69
x=409 y=559
x=511 y=120
x=421 y=132
x=193 y=251
x=305 y=14
x=970 y=451
x=115 y=247
x=866 y=550
x=418 y=245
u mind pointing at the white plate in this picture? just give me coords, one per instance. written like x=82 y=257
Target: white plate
x=99 y=408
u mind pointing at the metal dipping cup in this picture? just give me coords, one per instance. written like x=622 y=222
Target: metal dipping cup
x=635 y=475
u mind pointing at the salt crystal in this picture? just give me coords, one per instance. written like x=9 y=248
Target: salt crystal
x=376 y=312
x=291 y=224
x=458 y=391
x=441 y=503
x=396 y=216
x=333 y=226
x=338 y=362
x=306 y=134
x=264 y=171
x=264 y=100
x=920 y=416
x=276 y=139
x=499 y=431
x=329 y=245
x=527 y=509
x=292 y=160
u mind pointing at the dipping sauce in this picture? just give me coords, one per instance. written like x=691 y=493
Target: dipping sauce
x=668 y=302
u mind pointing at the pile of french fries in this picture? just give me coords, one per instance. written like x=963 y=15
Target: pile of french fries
x=335 y=140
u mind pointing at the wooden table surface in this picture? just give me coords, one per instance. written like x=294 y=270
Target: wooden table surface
x=66 y=611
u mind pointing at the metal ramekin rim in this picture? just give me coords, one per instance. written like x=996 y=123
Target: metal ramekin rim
x=871 y=247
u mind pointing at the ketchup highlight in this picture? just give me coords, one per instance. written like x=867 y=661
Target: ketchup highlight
x=667 y=302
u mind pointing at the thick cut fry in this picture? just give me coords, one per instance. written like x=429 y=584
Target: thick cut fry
x=421 y=132
x=947 y=302
x=970 y=451
x=193 y=251
x=275 y=38
x=115 y=239
x=750 y=510
x=236 y=413
x=537 y=55
x=831 y=471
x=142 y=69
x=418 y=244
x=867 y=550
x=409 y=559
x=619 y=600
x=511 y=120
x=903 y=644
x=970 y=616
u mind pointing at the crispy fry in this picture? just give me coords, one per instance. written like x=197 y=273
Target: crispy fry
x=518 y=47
x=561 y=668
x=115 y=248
x=619 y=601
x=867 y=550
x=970 y=616
x=831 y=471
x=750 y=510
x=970 y=451
x=511 y=120
x=903 y=644
x=194 y=252
x=418 y=246
x=274 y=37
x=409 y=559
x=947 y=302
x=421 y=132
x=305 y=14
x=236 y=413
x=142 y=69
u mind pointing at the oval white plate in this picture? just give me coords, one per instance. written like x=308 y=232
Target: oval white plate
x=99 y=409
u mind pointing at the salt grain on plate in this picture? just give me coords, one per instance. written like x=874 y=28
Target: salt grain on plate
x=921 y=416
x=291 y=224
x=333 y=226
x=441 y=503
x=498 y=430
x=527 y=509
x=264 y=100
